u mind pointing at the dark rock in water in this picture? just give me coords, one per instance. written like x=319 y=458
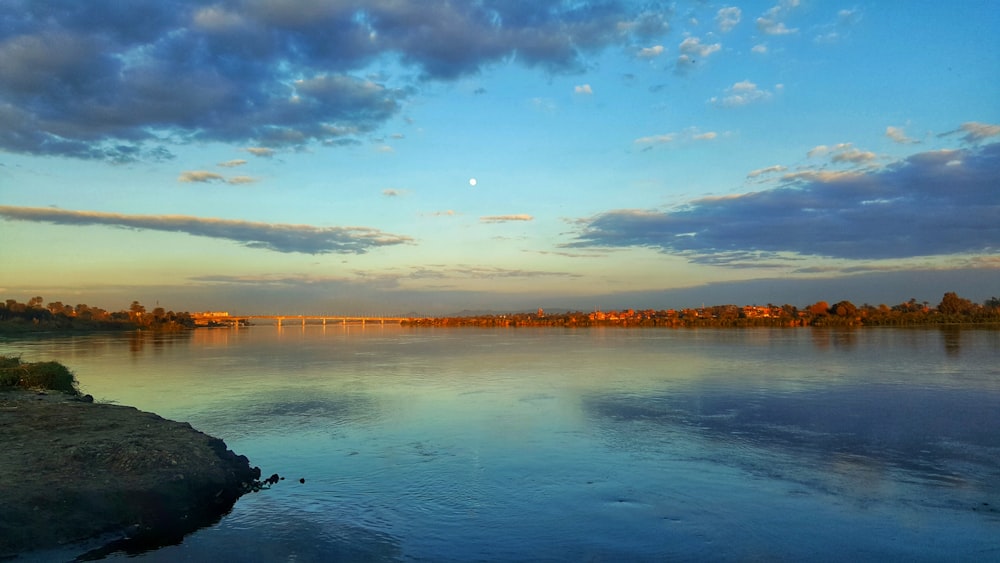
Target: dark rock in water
x=75 y=471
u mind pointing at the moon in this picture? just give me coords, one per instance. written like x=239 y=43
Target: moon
x=472 y=181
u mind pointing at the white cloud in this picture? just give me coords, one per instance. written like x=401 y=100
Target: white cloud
x=820 y=176
x=200 y=176
x=583 y=89
x=760 y=49
x=771 y=23
x=821 y=150
x=544 y=104
x=655 y=139
x=506 y=218
x=768 y=170
x=842 y=153
x=690 y=134
x=854 y=156
x=741 y=94
x=263 y=152
x=727 y=18
x=203 y=176
x=897 y=134
x=693 y=46
x=771 y=27
x=829 y=37
x=650 y=52
x=233 y=163
x=849 y=17
x=976 y=131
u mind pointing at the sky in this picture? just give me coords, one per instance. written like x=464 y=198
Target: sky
x=385 y=157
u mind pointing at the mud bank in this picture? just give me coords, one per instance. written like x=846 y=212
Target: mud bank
x=105 y=478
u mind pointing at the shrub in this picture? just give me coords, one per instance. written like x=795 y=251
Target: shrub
x=50 y=376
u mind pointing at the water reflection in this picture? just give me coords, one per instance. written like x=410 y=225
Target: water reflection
x=938 y=437
x=952 y=338
x=270 y=532
x=590 y=444
x=140 y=341
x=291 y=410
x=838 y=338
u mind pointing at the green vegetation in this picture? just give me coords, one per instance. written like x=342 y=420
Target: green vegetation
x=48 y=376
x=952 y=310
x=32 y=316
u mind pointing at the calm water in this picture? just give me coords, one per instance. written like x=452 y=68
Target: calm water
x=585 y=445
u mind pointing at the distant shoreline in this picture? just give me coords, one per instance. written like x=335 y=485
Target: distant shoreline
x=32 y=317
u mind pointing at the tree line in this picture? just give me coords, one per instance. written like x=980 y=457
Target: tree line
x=952 y=309
x=33 y=315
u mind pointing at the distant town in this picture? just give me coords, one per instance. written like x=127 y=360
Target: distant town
x=35 y=315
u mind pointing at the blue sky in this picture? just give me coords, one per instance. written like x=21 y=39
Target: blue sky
x=266 y=156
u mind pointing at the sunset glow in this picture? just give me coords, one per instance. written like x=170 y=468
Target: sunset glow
x=270 y=157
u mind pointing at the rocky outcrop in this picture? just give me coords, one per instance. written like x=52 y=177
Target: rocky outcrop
x=74 y=472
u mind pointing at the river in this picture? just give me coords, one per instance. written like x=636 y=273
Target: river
x=599 y=444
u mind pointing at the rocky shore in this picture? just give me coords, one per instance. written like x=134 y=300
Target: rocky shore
x=107 y=478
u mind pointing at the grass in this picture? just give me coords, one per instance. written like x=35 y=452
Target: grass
x=47 y=376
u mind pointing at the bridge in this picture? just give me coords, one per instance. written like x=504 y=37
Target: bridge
x=225 y=319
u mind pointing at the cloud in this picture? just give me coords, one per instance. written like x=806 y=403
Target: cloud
x=389 y=192
x=690 y=134
x=741 y=94
x=771 y=22
x=203 y=176
x=975 y=131
x=656 y=139
x=727 y=18
x=583 y=89
x=832 y=33
x=481 y=272
x=544 y=104
x=760 y=49
x=506 y=218
x=849 y=17
x=692 y=49
x=233 y=163
x=200 y=176
x=854 y=156
x=823 y=150
x=123 y=81
x=236 y=180
x=923 y=205
x=270 y=236
x=898 y=135
x=768 y=170
x=650 y=52
x=262 y=152
x=842 y=153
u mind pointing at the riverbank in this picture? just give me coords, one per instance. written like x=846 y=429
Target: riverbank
x=106 y=477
